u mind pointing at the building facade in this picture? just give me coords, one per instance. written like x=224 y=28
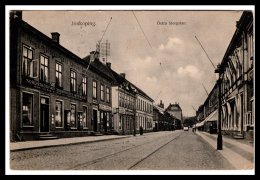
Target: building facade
x=175 y=111
x=144 y=111
x=102 y=80
x=123 y=104
x=207 y=114
x=51 y=89
x=237 y=87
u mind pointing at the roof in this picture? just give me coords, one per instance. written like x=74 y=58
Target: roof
x=127 y=85
x=159 y=109
x=123 y=82
x=100 y=67
x=173 y=105
x=245 y=19
x=19 y=23
x=96 y=65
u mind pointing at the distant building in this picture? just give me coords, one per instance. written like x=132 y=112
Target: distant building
x=176 y=111
x=158 y=117
x=207 y=114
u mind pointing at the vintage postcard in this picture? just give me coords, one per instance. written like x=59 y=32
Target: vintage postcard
x=130 y=90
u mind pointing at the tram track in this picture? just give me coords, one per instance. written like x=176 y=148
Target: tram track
x=100 y=159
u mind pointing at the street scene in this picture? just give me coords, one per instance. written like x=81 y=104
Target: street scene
x=131 y=90
x=156 y=151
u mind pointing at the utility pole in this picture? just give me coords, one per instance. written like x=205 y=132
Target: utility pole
x=205 y=52
x=205 y=89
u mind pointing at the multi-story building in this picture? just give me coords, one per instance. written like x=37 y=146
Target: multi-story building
x=123 y=104
x=52 y=90
x=207 y=114
x=101 y=101
x=237 y=87
x=175 y=111
x=144 y=110
x=158 y=117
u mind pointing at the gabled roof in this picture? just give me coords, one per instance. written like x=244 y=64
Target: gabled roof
x=128 y=85
x=19 y=23
x=99 y=67
x=123 y=83
x=139 y=91
x=159 y=109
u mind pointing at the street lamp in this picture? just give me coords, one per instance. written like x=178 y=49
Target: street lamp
x=218 y=72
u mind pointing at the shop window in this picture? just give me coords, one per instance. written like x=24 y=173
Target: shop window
x=73 y=116
x=44 y=71
x=84 y=117
x=29 y=65
x=58 y=114
x=27 y=109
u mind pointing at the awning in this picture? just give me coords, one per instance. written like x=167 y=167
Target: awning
x=213 y=116
x=200 y=124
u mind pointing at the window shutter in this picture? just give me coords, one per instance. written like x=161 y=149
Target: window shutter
x=34 y=68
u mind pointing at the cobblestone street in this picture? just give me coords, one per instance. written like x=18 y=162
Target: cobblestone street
x=171 y=150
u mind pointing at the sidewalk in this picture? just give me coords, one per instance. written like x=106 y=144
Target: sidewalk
x=25 y=145
x=239 y=154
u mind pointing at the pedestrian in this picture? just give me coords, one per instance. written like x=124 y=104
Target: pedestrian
x=141 y=130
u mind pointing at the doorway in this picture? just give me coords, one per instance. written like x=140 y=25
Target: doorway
x=44 y=115
x=94 y=120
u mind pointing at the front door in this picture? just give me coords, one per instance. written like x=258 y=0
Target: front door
x=105 y=121
x=95 y=120
x=44 y=115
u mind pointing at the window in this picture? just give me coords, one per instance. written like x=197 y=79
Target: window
x=121 y=100
x=58 y=75
x=29 y=66
x=102 y=92
x=84 y=117
x=94 y=89
x=84 y=86
x=44 y=74
x=250 y=48
x=120 y=122
x=108 y=94
x=27 y=109
x=73 y=81
x=73 y=115
x=58 y=114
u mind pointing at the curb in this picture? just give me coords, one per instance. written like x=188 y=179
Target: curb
x=235 y=159
x=66 y=144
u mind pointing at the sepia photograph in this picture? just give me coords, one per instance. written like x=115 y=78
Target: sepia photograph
x=130 y=90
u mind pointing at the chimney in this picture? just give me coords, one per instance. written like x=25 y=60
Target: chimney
x=122 y=74
x=96 y=55
x=91 y=54
x=55 y=37
x=161 y=104
x=16 y=14
x=109 y=65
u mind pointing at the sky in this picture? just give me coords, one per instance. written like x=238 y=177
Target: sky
x=161 y=55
